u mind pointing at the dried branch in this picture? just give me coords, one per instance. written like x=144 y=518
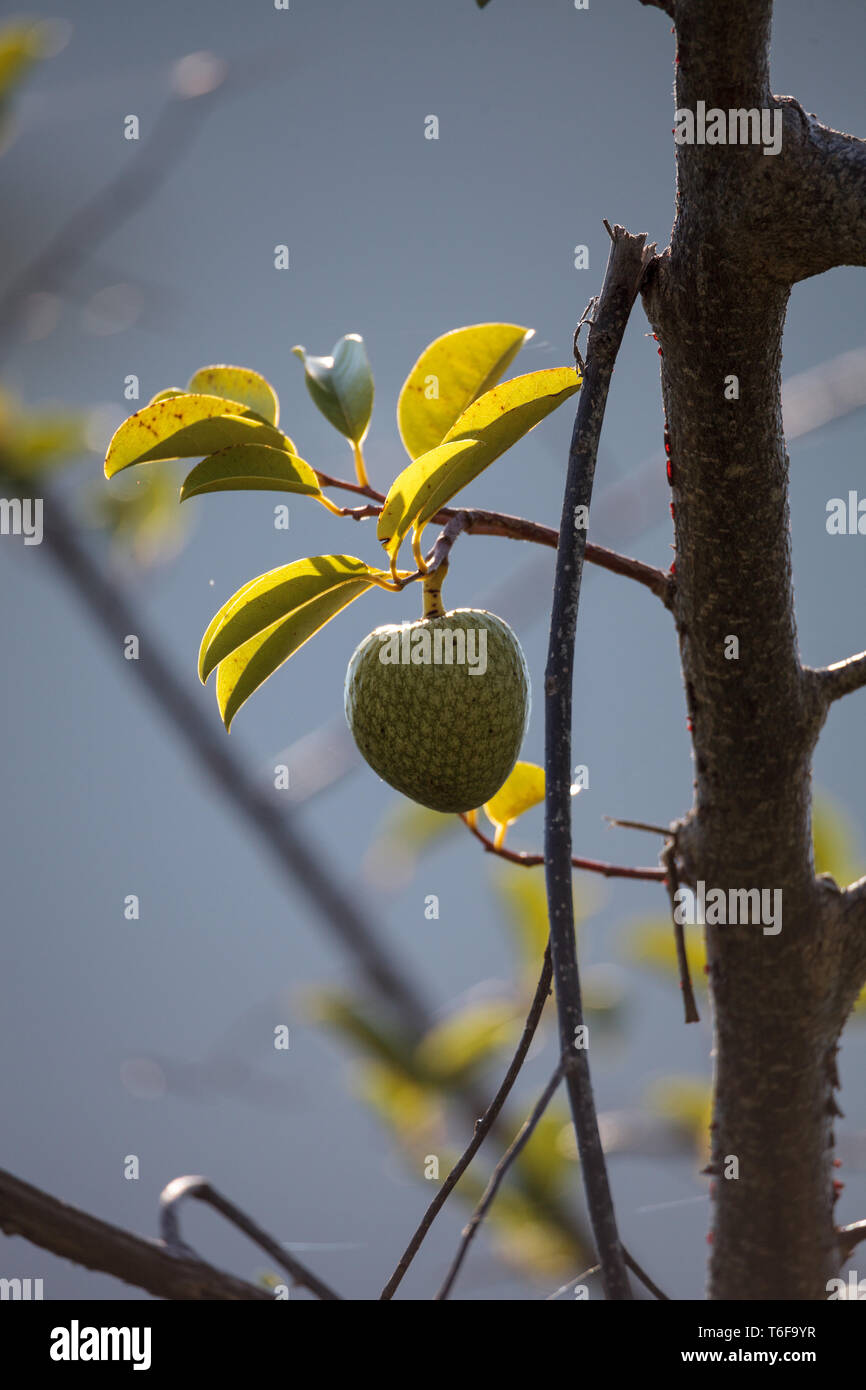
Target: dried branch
x=75 y=1235
x=627 y=265
x=669 y=859
x=594 y=866
x=482 y=1128
x=495 y=1182
x=201 y=1191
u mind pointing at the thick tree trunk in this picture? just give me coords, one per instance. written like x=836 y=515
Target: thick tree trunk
x=717 y=300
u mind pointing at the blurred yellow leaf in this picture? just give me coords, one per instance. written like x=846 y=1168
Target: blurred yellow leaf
x=467 y=1038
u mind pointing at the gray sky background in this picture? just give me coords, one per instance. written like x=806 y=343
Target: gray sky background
x=550 y=120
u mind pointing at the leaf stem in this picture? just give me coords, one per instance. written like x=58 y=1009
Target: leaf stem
x=360 y=466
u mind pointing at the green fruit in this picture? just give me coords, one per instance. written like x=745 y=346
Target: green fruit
x=445 y=733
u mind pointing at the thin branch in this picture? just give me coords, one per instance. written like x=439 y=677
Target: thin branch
x=594 y=866
x=522 y=1139
x=669 y=859
x=76 y=1235
x=642 y=1275
x=627 y=264
x=640 y=825
x=841 y=678
x=201 y=1190
x=480 y=522
x=482 y=1128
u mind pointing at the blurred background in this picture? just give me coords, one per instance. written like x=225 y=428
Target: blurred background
x=154 y=1037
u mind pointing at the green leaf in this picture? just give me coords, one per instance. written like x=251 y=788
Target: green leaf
x=487 y=428
x=238 y=384
x=185 y=426
x=243 y=467
x=409 y=492
x=342 y=386
x=460 y=366
x=271 y=618
x=522 y=789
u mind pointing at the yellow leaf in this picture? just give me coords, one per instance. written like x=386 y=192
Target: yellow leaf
x=187 y=426
x=485 y=430
x=522 y=789
x=449 y=375
x=238 y=384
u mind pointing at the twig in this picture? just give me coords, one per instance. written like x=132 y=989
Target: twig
x=841 y=678
x=201 y=1190
x=595 y=866
x=639 y=825
x=642 y=1275
x=482 y=1128
x=76 y=1235
x=629 y=257
x=669 y=859
x=572 y=1283
x=495 y=1182
x=480 y=522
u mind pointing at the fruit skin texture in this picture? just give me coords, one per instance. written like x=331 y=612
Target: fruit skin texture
x=442 y=736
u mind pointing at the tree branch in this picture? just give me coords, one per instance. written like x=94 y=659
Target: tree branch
x=629 y=258
x=179 y=1189
x=594 y=866
x=821 y=184
x=482 y=1128
x=522 y=1139
x=75 y=1235
x=841 y=678
x=669 y=859
x=479 y=522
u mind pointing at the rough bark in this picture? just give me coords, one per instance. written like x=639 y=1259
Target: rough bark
x=748 y=226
